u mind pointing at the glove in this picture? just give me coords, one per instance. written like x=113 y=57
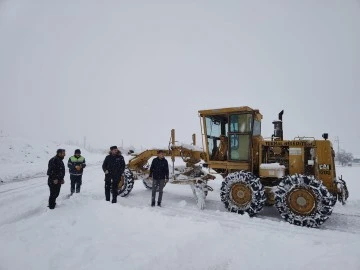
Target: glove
x=55 y=181
x=78 y=167
x=62 y=181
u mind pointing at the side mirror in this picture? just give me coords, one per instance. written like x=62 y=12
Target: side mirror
x=325 y=136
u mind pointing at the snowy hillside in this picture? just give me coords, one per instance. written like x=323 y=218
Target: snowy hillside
x=86 y=232
x=27 y=158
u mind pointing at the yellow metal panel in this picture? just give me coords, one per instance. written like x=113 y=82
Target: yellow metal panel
x=229 y=165
x=325 y=170
x=206 y=140
x=296 y=160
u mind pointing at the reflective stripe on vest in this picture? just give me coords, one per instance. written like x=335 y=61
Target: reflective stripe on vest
x=74 y=159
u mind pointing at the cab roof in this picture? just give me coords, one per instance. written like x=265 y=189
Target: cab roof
x=229 y=110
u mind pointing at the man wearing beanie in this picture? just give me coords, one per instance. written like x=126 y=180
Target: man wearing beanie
x=56 y=173
x=76 y=165
x=113 y=167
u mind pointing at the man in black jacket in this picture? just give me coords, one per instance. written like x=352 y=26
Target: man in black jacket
x=76 y=165
x=56 y=173
x=159 y=172
x=113 y=167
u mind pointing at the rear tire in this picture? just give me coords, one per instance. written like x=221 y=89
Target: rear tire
x=243 y=192
x=304 y=201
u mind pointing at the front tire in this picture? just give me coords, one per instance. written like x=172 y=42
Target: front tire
x=125 y=188
x=243 y=192
x=304 y=201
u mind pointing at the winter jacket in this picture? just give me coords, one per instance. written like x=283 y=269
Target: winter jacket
x=73 y=162
x=159 y=169
x=114 y=164
x=56 y=169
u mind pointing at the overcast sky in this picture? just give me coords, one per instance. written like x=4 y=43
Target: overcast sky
x=132 y=71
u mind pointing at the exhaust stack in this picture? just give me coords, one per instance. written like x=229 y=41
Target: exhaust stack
x=278 y=128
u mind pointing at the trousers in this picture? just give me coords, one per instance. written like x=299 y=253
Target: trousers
x=157 y=184
x=54 y=193
x=76 y=181
x=111 y=186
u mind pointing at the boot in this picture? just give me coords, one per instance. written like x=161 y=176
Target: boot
x=152 y=204
x=52 y=206
x=159 y=204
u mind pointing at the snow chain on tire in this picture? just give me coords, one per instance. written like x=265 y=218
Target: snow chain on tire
x=324 y=200
x=128 y=183
x=251 y=182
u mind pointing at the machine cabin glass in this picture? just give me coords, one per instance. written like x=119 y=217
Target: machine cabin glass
x=240 y=132
x=229 y=136
x=216 y=129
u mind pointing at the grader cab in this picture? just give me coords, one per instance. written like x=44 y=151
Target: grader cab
x=297 y=176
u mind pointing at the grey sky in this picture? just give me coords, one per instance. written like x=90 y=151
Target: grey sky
x=132 y=70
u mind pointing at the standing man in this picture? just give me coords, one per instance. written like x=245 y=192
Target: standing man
x=56 y=173
x=113 y=167
x=76 y=165
x=159 y=171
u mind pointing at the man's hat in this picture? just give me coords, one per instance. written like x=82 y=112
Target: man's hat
x=113 y=147
x=60 y=151
x=77 y=151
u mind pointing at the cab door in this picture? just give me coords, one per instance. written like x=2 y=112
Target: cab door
x=240 y=137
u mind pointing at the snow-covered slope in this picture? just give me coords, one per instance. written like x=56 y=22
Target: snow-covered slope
x=28 y=158
x=85 y=232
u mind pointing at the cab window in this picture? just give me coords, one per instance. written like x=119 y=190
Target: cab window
x=241 y=123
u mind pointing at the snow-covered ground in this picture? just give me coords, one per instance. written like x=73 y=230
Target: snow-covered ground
x=86 y=232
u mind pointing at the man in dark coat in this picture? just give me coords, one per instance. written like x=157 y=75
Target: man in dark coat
x=76 y=165
x=113 y=167
x=56 y=173
x=159 y=172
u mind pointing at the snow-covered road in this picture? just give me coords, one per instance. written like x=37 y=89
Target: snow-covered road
x=85 y=232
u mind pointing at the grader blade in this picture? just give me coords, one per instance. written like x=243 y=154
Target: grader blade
x=199 y=190
x=197 y=180
x=343 y=192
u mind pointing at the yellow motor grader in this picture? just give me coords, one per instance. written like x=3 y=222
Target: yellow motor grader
x=297 y=176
